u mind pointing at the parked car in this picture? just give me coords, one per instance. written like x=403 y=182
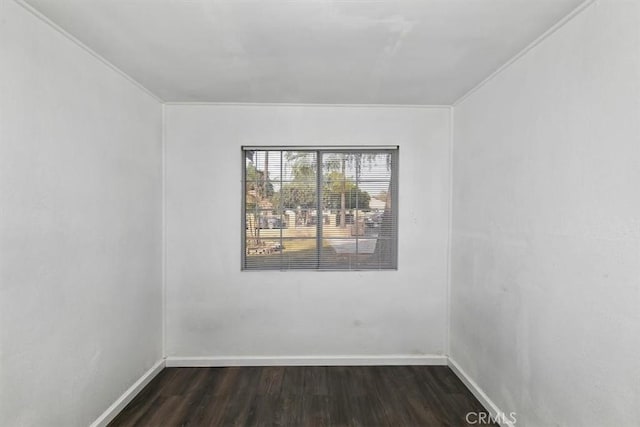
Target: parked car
x=373 y=221
x=272 y=222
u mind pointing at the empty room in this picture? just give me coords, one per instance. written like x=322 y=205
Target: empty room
x=320 y=213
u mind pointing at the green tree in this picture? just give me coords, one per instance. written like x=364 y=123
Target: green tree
x=258 y=186
x=341 y=193
x=295 y=195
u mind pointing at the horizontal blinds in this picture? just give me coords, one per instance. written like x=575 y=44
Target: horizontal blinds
x=353 y=148
x=329 y=209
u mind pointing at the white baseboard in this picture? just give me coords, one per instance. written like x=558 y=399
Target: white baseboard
x=492 y=408
x=117 y=406
x=306 y=361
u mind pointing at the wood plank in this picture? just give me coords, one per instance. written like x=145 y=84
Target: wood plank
x=302 y=396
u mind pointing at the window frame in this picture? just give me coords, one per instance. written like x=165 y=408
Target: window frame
x=394 y=151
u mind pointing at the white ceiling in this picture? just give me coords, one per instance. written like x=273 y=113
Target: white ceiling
x=307 y=51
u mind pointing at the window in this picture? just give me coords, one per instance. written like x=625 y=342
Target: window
x=320 y=209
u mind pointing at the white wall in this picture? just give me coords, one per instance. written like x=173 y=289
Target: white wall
x=214 y=309
x=80 y=228
x=546 y=229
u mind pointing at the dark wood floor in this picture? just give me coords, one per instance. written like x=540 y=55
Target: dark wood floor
x=302 y=396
